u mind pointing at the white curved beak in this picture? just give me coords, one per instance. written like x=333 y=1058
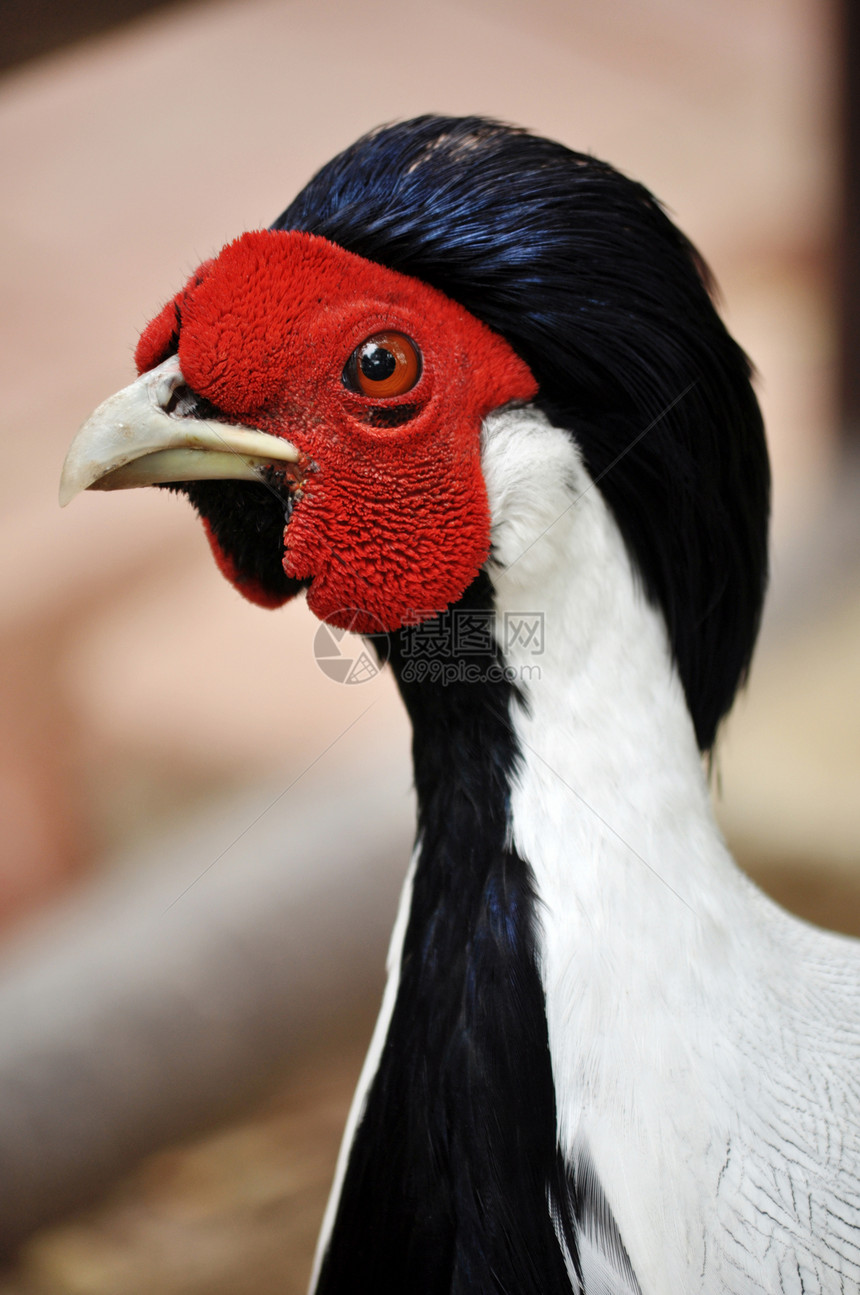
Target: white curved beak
x=132 y=440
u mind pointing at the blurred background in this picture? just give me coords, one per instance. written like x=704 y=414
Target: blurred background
x=202 y=832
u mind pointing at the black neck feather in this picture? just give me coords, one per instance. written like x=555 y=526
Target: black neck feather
x=455 y=1162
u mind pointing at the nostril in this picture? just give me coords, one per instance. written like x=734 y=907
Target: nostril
x=181 y=402
x=167 y=387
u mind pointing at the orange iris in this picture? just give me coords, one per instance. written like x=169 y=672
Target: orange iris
x=387 y=364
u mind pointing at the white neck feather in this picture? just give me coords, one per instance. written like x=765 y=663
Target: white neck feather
x=605 y=717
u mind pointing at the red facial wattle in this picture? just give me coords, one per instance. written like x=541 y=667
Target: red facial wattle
x=391 y=519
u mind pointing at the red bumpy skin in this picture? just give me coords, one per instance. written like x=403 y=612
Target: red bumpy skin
x=394 y=519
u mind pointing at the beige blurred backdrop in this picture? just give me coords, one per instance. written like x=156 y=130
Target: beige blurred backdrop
x=139 y=692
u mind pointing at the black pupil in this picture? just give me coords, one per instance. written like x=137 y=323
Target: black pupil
x=377 y=363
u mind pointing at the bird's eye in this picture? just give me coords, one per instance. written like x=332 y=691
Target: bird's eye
x=387 y=364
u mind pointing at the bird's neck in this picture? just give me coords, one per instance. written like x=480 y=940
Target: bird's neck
x=557 y=777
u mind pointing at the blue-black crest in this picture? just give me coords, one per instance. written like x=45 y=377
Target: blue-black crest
x=610 y=305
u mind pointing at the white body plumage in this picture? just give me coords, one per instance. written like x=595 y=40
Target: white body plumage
x=705 y=1044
